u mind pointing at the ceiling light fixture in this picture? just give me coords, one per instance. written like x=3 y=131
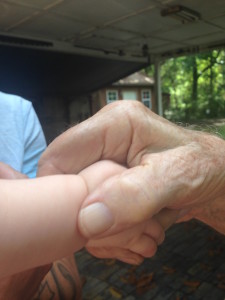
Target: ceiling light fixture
x=181 y=13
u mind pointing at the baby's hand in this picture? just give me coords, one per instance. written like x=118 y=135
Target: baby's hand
x=133 y=244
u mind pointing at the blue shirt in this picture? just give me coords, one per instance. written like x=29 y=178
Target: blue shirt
x=21 y=137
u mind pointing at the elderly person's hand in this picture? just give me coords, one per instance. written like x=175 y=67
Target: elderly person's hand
x=134 y=244
x=169 y=167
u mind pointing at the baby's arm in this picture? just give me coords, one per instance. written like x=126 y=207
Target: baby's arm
x=38 y=217
x=38 y=221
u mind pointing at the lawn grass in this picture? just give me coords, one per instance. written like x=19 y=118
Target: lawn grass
x=216 y=127
x=221 y=131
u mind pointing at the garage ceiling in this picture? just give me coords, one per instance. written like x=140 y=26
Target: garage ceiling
x=132 y=27
x=131 y=31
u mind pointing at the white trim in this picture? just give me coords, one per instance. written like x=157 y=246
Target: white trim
x=107 y=96
x=158 y=88
x=147 y=101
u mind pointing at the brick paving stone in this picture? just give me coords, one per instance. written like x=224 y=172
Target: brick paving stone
x=92 y=288
x=99 y=268
x=130 y=298
x=177 y=262
x=84 y=263
x=203 y=276
x=192 y=297
x=221 y=268
x=82 y=256
x=107 y=272
x=149 y=294
x=128 y=288
x=178 y=295
x=195 y=269
x=203 y=290
x=200 y=255
x=218 y=276
x=191 y=253
x=117 y=278
x=178 y=282
x=176 y=231
x=197 y=249
x=180 y=249
x=162 y=256
x=165 y=280
x=184 y=265
x=111 y=293
x=190 y=286
x=164 y=294
x=214 y=293
x=148 y=266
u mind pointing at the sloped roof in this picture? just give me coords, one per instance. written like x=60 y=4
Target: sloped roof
x=137 y=79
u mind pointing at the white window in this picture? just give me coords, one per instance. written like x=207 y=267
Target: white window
x=146 y=98
x=129 y=95
x=111 y=96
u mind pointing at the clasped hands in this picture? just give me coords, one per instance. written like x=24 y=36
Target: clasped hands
x=163 y=174
x=142 y=174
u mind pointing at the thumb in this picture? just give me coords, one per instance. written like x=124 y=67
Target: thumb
x=123 y=201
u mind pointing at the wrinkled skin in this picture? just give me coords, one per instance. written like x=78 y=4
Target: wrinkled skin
x=169 y=167
x=131 y=245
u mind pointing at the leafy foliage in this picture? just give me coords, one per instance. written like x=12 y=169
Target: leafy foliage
x=196 y=85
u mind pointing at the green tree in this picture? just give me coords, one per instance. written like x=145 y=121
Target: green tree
x=196 y=85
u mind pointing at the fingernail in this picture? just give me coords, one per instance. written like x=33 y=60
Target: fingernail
x=95 y=219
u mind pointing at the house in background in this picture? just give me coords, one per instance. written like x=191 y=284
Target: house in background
x=137 y=86
x=58 y=115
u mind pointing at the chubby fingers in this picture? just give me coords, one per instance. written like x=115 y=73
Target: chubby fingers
x=154 y=233
x=134 y=244
x=129 y=246
x=124 y=255
x=157 y=226
x=135 y=240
